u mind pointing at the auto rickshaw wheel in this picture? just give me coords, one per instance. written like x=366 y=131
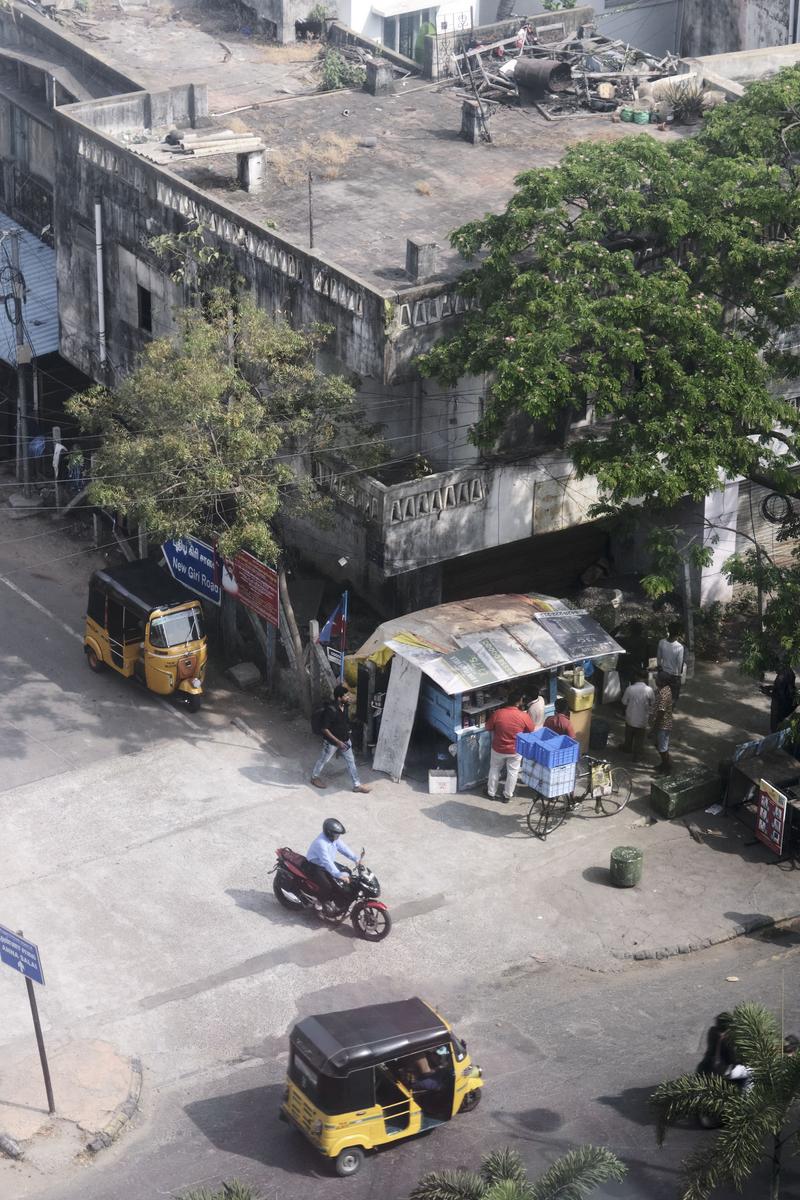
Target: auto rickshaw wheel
x=193 y=703
x=471 y=1101
x=348 y=1161
x=95 y=664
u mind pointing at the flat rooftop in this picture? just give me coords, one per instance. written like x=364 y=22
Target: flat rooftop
x=419 y=179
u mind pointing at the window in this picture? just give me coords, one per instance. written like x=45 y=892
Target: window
x=177 y=628
x=97 y=606
x=145 y=300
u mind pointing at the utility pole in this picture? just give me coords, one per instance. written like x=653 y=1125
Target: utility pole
x=23 y=358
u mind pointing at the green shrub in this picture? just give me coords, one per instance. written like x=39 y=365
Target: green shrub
x=337 y=72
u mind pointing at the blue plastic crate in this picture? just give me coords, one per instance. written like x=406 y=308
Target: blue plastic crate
x=525 y=744
x=555 y=749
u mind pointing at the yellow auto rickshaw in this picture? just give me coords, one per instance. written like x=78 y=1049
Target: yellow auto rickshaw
x=141 y=623
x=369 y=1076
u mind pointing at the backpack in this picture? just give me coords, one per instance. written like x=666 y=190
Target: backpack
x=318 y=719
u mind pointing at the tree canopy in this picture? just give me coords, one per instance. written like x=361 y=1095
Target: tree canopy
x=655 y=282
x=201 y=438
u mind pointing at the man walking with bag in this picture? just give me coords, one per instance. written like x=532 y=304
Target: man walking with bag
x=335 y=728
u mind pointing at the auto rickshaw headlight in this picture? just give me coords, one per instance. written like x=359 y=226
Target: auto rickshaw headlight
x=197 y=683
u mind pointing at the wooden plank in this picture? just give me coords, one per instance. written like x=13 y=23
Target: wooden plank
x=399 y=711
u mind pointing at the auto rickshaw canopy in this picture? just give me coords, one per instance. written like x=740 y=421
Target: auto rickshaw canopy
x=142 y=587
x=340 y=1042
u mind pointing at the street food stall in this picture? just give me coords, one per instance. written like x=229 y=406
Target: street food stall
x=452 y=665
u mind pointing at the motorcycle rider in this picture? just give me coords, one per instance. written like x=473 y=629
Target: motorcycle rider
x=322 y=865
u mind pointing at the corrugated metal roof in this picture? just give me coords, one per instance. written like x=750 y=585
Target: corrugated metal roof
x=40 y=311
x=473 y=643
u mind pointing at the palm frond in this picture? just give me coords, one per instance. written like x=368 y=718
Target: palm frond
x=450 y=1185
x=575 y=1174
x=754 y=1032
x=510 y=1189
x=503 y=1164
x=688 y=1096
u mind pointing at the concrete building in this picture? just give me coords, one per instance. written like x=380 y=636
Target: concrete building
x=392 y=177
x=730 y=25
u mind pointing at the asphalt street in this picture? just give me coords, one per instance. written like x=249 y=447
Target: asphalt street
x=569 y=1057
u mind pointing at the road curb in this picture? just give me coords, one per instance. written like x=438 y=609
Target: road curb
x=111 y=1131
x=738 y=930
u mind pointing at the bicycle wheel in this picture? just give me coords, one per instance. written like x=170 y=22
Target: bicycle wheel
x=583 y=778
x=621 y=784
x=546 y=814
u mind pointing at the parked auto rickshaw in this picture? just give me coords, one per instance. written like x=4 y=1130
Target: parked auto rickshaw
x=369 y=1076
x=141 y=623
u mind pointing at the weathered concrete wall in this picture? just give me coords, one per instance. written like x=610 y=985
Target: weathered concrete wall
x=22 y=28
x=141 y=198
x=280 y=15
x=725 y=25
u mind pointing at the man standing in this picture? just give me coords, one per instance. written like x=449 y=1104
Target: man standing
x=536 y=708
x=662 y=722
x=336 y=739
x=505 y=723
x=560 y=722
x=639 y=702
x=671 y=656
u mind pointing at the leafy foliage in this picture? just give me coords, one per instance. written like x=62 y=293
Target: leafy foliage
x=229 y=1191
x=202 y=437
x=502 y=1176
x=650 y=282
x=755 y=1124
x=767 y=647
x=337 y=72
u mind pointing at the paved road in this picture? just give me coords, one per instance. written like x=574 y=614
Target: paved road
x=569 y=1057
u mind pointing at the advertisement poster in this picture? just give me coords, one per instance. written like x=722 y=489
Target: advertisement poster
x=771 y=816
x=254 y=584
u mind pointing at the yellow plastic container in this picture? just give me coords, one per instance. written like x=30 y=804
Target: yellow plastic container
x=578 y=699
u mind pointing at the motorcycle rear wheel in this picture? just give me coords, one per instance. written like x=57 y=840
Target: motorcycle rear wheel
x=286 y=898
x=371 y=923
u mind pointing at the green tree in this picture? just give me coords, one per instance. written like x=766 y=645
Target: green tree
x=502 y=1176
x=653 y=282
x=207 y=436
x=758 y=1125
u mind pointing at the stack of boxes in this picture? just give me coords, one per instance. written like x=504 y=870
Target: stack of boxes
x=549 y=762
x=581 y=702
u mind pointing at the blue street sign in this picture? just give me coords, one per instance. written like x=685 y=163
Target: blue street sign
x=20 y=954
x=196 y=566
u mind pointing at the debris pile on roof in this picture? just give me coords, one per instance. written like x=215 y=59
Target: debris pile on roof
x=588 y=72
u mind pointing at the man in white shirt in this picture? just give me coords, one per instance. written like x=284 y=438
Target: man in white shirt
x=638 y=700
x=671 y=656
x=536 y=708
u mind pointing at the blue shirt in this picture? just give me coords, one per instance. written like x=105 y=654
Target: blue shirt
x=322 y=852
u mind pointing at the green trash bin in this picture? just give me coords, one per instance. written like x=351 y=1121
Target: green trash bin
x=626 y=866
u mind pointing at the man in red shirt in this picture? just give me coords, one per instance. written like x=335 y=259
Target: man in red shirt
x=505 y=723
x=560 y=722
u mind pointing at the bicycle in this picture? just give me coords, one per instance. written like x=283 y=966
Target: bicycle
x=596 y=779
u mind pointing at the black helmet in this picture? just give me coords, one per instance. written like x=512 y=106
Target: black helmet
x=333 y=829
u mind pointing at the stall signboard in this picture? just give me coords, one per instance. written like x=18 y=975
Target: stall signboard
x=255 y=585
x=771 y=816
x=501 y=653
x=576 y=633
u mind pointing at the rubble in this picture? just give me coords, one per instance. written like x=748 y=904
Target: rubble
x=590 y=73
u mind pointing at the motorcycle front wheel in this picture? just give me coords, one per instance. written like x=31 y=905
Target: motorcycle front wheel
x=287 y=898
x=370 y=922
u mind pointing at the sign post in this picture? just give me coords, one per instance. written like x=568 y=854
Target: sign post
x=23 y=956
x=195 y=565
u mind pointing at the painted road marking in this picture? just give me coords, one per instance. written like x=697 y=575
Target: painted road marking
x=41 y=608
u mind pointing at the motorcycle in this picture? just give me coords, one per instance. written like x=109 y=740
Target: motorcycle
x=357 y=898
